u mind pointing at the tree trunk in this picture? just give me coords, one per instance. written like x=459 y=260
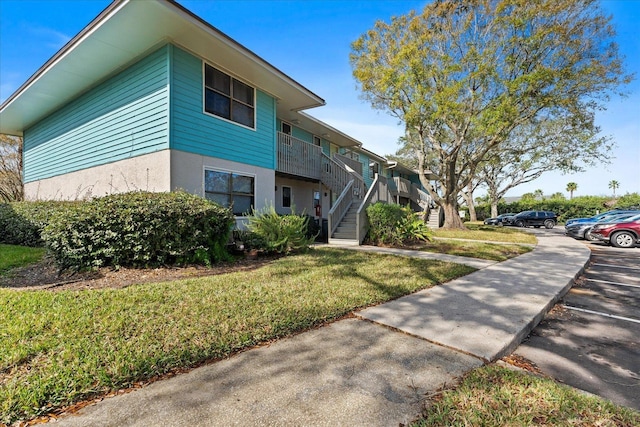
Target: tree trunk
x=452 y=216
x=494 y=208
x=468 y=198
x=472 y=212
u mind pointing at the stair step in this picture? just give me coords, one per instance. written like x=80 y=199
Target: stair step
x=344 y=242
x=350 y=236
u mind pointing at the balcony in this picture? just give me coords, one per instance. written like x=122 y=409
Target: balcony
x=404 y=187
x=299 y=158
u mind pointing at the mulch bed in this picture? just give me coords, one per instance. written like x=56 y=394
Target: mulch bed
x=46 y=276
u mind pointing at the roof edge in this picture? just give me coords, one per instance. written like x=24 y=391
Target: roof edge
x=248 y=52
x=116 y=4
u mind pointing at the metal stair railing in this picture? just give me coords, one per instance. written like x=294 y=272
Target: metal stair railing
x=336 y=177
x=340 y=208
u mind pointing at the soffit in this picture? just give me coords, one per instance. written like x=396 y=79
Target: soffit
x=126 y=31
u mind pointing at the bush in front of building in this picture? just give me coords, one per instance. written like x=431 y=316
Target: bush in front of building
x=391 y=224
x=281 y=233
x=21 y=223
x=139 y=229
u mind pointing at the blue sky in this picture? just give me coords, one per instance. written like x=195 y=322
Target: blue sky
x=310 y=41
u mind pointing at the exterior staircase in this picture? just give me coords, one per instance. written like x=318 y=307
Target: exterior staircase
x=434 y=218
x=346 y=234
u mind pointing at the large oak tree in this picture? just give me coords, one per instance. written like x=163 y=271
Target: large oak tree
x=463 y=74
x=539 y=147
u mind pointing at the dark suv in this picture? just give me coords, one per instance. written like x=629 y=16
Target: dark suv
x=535 y=218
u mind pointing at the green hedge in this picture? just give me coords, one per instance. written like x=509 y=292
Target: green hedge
x=21 y=223
x=578 y=207
x=394 y=224
x=139 y=229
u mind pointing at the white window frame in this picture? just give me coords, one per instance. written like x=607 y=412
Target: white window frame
x=232 y=172
x=232 y=77
x=318 y=140
x=283 y=124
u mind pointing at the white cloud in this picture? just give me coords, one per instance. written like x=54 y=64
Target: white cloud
x=52 y=38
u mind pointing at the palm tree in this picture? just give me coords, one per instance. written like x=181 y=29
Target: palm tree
x=571 y=187
x=613 y=184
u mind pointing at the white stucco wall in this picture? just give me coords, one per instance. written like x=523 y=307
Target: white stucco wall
x=149 y=172
x=302 y=196
x=187 y=173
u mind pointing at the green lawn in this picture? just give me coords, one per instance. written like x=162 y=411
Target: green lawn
x=496 y=396
x=60 y=347
x=18 y=256
x=479 y=231
x=489 y=251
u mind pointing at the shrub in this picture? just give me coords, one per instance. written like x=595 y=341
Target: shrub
x=21 y=223
x=248 y=240
x=280 y=233
x=139 y=229
x=394 y=224
x=383 y=223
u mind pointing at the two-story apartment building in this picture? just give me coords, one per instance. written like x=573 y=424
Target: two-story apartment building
x=150 y=97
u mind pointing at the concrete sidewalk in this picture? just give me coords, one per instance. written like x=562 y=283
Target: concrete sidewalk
x=374 y=370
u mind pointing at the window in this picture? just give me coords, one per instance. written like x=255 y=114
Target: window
x=286 y=197
x=286 y=128
x=228 y=98
x=374 y=168
x=317 y=141
x=230 y=189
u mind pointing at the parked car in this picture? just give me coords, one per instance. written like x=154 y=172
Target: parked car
x=497 y=220
x=508 y=220
x=582 y=230
x=533 y=218
x=604 y=215
x=624 y=233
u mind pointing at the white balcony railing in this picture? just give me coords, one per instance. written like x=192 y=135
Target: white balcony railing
x=297 y=157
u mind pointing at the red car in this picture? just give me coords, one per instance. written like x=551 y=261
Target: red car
x=621 y=234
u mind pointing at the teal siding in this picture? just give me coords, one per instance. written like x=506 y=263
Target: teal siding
x=194 y=131
x=297 y=132
x=124 y=116
x=364 y=159
x=302 y=134
x=326 y=147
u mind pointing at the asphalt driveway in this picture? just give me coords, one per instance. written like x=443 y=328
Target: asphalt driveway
x=590 y=340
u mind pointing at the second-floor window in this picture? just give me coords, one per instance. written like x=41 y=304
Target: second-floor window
x=228 y=98
x=285 y=128
x=374 y=168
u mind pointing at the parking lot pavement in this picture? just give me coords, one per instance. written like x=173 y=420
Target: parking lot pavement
x=590 y=339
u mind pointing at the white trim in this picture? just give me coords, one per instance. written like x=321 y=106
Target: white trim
x=235 y=45
x=69 y=49
x=283 y=122
x=218 y=169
